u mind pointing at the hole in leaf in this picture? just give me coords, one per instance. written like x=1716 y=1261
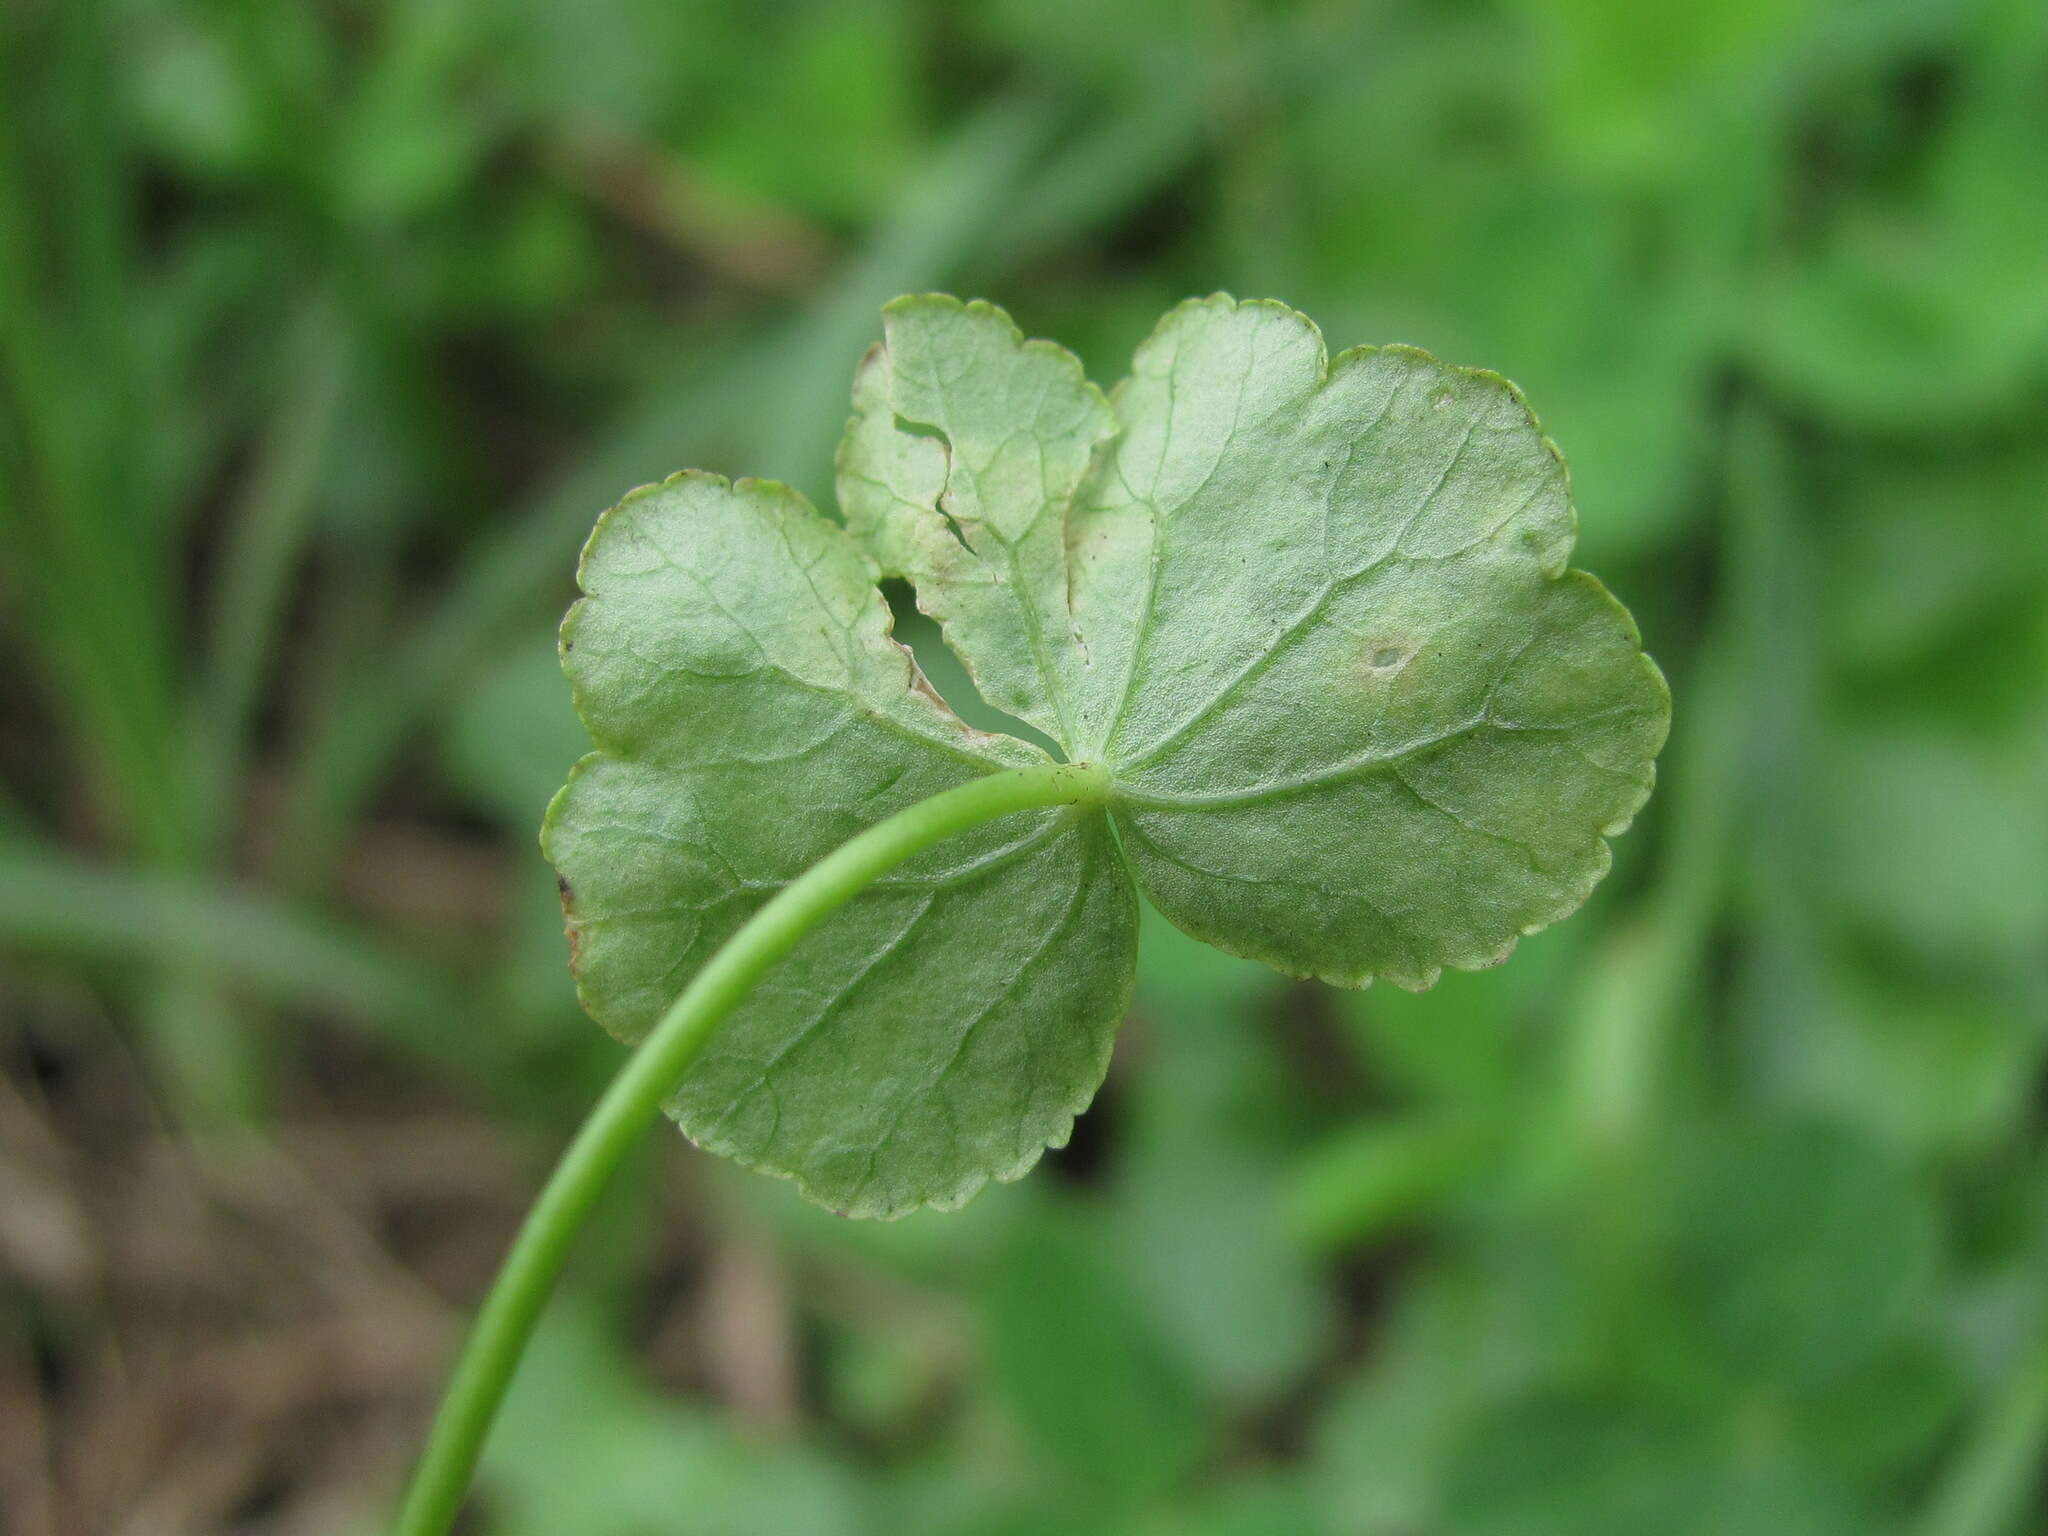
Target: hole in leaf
x=926 y=430
x=948 y=675
x=953 y=527
x=921 y=429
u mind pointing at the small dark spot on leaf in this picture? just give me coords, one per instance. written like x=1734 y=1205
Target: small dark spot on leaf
x=570 y=926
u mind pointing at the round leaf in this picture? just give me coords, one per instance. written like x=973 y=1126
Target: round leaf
x=1313 y=616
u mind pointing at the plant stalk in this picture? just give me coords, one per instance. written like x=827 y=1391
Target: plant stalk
x=651 y=1074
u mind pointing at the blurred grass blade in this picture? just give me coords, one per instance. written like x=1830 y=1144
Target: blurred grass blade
x=88 y=549
x=1365 y=1180
x=1102 y=172
x=264 y=542
x=1998 y=1467
x=51 y=902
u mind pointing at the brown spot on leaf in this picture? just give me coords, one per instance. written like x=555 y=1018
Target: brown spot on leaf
x=570 y=926
x=923 y=685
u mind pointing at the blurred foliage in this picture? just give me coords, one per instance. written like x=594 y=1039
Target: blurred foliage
x=325 y=331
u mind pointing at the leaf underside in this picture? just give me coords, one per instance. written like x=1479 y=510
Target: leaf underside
x=1313 y=614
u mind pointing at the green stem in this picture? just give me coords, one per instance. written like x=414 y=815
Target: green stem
x=651 y=1074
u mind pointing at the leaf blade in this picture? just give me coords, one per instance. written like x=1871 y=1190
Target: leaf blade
x=1314 y=617
x=732 y=660
x=1369 y=713
x=957 y=473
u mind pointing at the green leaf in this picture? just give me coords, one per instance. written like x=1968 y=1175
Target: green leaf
x=1396 y=646
x=1801 y=1251
x=1451 y=1343
x=1581 y=1463
x=1081 y=1366
x=1879 y=1420
x=958 y=473
x=639 y=1456
x=1313 y=616
x=1240 y=1303
x=1552 y=1462
x=732 y=660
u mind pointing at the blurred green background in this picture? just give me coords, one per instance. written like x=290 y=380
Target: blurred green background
x=327 y=329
